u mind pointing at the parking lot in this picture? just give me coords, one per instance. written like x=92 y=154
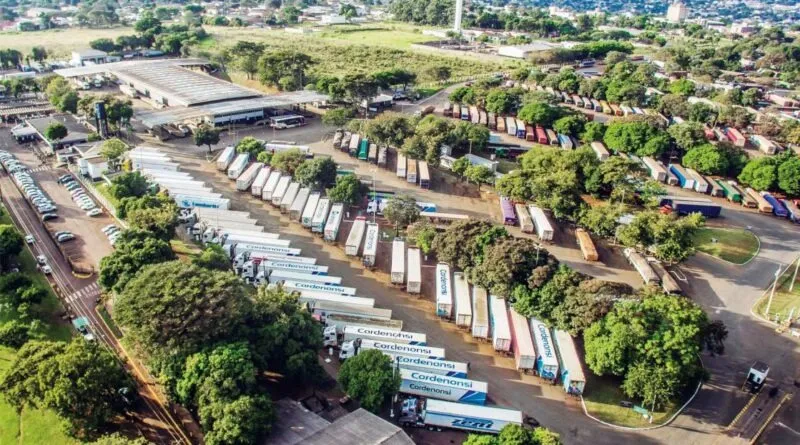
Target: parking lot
x=89 y=245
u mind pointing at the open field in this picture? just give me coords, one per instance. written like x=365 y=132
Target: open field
x=785 y=300
x=32 y=427
x=602 y=398
x=736 y=246
x=58 y=42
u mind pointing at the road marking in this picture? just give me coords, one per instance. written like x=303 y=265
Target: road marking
x=794 y=431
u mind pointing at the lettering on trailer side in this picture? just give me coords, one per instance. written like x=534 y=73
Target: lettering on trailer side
x=430 y=389
x=383 y=333
x=423 y=362
x=400 y=348
x=473 y=423
x=371 y=236
x=548 y=351
x=443 y=277
x=442 y=380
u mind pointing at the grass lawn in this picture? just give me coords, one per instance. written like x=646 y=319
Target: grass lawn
x=733 y=245
x=602 y=399
x=784 y=300
x=59 y=42
x=103 y=190
x=33 y=426
x=390 y=35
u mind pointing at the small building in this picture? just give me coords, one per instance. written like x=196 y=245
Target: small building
x=379 y=103
x=76 y=133
x=523 y=51
x=677 y=12
x=332 y=19
x=88 y=57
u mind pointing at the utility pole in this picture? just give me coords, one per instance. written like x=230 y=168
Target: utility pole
x=772 y=292
x=794 y=277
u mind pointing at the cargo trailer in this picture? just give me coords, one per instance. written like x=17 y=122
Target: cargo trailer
x=225 y=158
x=353 y=244
x=777 y=208
x=238 y=165
x=245 y=180
x=551 y=136
x=382 y=151
x=331 y=231
x=289 y=196
x=700 y=184
x=444 y=291
x=537 y=135
x=370 y=245
x=522 y=342
x=312 y=269
x=463 y=305
x=188 y=202
x=351 y=349
x=401 y=165
x=714 y=188
x=234 y=249
x=411 y=172
x=684 y=179
x=544 y=230
x=302 y=286
x=588 y=249
x=475 y=116
x=440 y=367
x=735 y=137
x=320 y=215
x=668 y=284
x=424 y=175
x=656 y=170
x=492 y=121
x=565 y=142
x=398 y=275
x=730 y=191
x=373 y=153
x=299 y=203
x=442 y=387
x=376 y=333
x=791 y=210
x=363 y=150
x=280 y=190
x=437 y=414
x=480 y=313
x=414 y=280
x=323 y=309
x=507 y=210
x=763 y=205
x=261 y=180
x=764 y=144
x=525 y=221
x=464 y=113
x=501 y=124
x=501 y=331
x=600 y=150
x=355 y=141
x=641 y=265
x=520 y=128
x=447 y=110
x=309 y=209
x=571 y=371
x=511 y=126
x=270 y=185
x=546 y=360
x=280 y=275
x=340 y=322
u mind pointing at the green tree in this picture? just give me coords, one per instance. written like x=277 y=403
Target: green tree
x=250 y=145
x=13 y=334
x=133 y=250
x=655 y=385
x=245 y=56
x=669 y=235
x=245 y=420
x=789 y=176
x=206 y=135
x=289 y=64
x=390 y=129
x=119 y=439
x=112 y=150
x=316 y=173
x=348 y=190
x=55 y=132
x=687 y=135
x=103 y=44
x=213 y=257
x=460 y=167
x=440 y=72
x=538 y=113
x=634 y=137
x=704 y=113
x=11 y=243
x=265 y=157
x=501 y=101
x=128 y=184
x=458 y=246
x=587 y=303
x=479 y=174
x=338 y=117
x=593 y=131
x=760 y=173
x=421 y=234
x=160 y=221
x=507 y=263
x=81 y=381
x=288 y=161
x=571 y=125
x=707 y=159
x=602 y=219
x=370 y=378
x=682 y=87
x=401 y=210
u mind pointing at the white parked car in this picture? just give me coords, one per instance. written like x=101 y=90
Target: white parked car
x=29 y=239
x=94 y=212
x=47 y=270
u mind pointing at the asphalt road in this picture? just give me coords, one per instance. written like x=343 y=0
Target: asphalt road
x=79 y=295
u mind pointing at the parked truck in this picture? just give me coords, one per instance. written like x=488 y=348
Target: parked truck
x=370 y=245
x=331 y=231
x=320 y=215
x=355 y=237
x=700 y=184
x=443 y=387
x=398 y=275
x=352 y=348
x=245 y=180
x=463 y=309
x=708 y=209
x=260 y=181
x=437 y=414
x=289 y=196
x=480 y=314
x=301 y=286
x=280 y=190
x=309 y=209
x=544 y=230
x=572 y=378
x=323 y=309
x=641 y=265
x=414 y=281
x=444 y=291
x=291 y=266
x=684 y=180
x=234 y=249
x=340 y=322
x=501 y=331
x=656 y=170
x=238 y=165
x=440 y=367
x=225 y=158
x=270 y=185
x=522 y=342
x=546 y=360
x=299 y=203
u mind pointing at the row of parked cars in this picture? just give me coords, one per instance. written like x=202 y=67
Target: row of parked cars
x=112 y=232
x=79 y=195
x=25 y=181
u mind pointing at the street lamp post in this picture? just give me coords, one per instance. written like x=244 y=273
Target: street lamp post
x=772 y=292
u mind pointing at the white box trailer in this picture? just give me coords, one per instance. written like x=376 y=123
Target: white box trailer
x=398 y=261
x=546 y=360
x=153 y=164
x=320 y=215
x=542 y=224
x=340 y=322
x=401 y=165
x=501 y=331
x=322 y=309
x=571 y=371
x=480 y=313
x=238 y=165
x=301 y=286
x=288 y=196
x=237 y=248
x=263 y=239
x=226 y=157
x=443 y=387
x=522 y=342
x=414 y=282
x=411 y=171
x=657 y=171
x=276 y=148
x=331 y=231
x=280 y=275
x=245 y=180
x=463 y=305
x=444 y=291
x=524 y=218
x=355 y=237
x=280 y=189
x=299 y=203
x=261 y=180
x=218 y=227
x=387 y=335
x=461 y=416
x=440 y=367
x=370 y=245
x=700 y=184
x=259 y=257
x=172 y=191
x=309 y=209
x=382 y=151
x=292 y=266
x=428 y=352
x=313 y=297
x=269 y=187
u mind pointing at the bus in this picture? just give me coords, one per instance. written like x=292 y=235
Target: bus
x=606 y=108
x=507 y=209
x=641 y=265
x=525 y=221
x=424 y=175
x=288 y=121
x=763 y=205
x=587 y=246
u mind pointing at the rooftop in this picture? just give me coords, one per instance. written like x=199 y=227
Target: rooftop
x=298 y=425
x=75 y=131
x=90 y=53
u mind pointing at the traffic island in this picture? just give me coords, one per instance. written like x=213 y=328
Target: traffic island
x=736 y=246
x=781 y=305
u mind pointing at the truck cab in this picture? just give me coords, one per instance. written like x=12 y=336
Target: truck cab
x=411 y=413
x=330 y=337
x=349 y=349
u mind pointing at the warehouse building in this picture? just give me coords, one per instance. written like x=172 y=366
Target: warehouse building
x=185 y=91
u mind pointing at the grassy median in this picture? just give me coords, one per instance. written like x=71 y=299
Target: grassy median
x=787 y=297
x=735 y=246
x=603 y=396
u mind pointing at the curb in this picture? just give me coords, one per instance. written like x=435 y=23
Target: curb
x=647 y=428
x=758 y=250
